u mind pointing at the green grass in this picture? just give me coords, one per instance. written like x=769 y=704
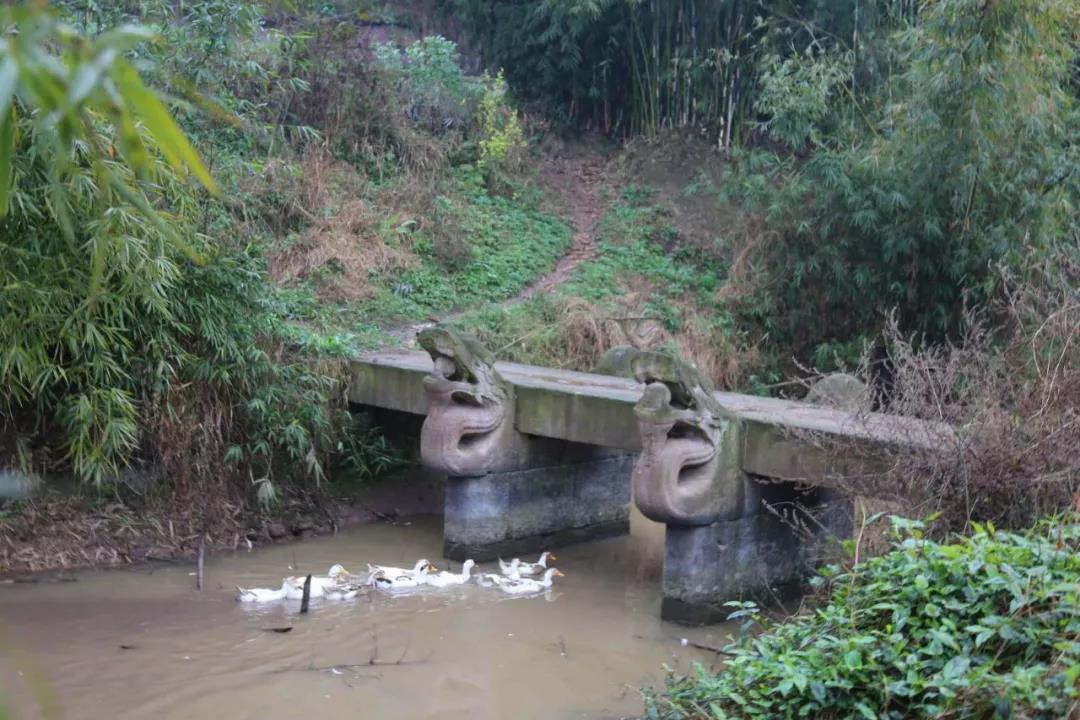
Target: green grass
x=510 y=243
x=636 y=242
x=638 y=252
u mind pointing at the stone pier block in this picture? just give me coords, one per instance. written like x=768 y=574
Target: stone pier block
x=708 y=565
x=525 y=511
x=756 y=557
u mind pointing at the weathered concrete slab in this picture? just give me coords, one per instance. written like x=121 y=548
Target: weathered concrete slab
x=562 y=404
x=598 y=410
x=391 y=381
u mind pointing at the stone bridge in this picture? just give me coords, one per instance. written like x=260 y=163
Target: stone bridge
x=537 y=457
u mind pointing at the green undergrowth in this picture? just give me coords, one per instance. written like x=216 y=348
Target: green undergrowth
x=189 y=336
x=507 y=243
x=644 y=287
x=987 y=626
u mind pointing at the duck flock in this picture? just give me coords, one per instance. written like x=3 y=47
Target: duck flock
x=514 y=578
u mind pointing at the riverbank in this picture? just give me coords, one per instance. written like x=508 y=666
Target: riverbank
x=57 y=532
x=983 y=625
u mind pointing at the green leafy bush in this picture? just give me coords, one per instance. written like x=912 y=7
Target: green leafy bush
x=122 y=327
x=438 y=95
x=502 y=143
x=961 y=163
x=798 y=94
x=985 y=627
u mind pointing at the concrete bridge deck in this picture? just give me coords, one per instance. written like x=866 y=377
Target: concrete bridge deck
x=598 y=410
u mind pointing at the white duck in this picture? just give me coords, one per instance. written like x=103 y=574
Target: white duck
x=262 y=594
x=516 y=567
x=445 y=579
x=394 y=583
x=384 y=579
x=489 y=579
x=422 y=567
x=510 y=569
x=335 y=576
x=528 y=586
x=348 y=591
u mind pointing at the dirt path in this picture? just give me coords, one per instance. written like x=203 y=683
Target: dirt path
x=577 y=179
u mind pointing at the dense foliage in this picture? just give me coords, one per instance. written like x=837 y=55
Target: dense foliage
x=119 y=321
x=888 y=155
x=986 y=626
x=631 y=67
x=917 y=193
x=141 y=335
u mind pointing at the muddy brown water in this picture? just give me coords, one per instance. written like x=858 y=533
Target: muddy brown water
x=144 y=643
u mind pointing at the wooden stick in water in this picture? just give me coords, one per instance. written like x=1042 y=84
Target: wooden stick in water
x=307 y=596
x=199 y=565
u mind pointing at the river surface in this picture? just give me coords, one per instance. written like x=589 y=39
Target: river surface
x=144 y=643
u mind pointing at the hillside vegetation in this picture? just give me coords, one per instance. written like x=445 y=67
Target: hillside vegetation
x=176 y=292
x=896 y=195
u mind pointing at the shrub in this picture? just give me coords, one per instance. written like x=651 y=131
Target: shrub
x=437 y=94
x=502 y=143
x=987 y=626
x=962 y=161
x=1009 y=390
x=122 y=327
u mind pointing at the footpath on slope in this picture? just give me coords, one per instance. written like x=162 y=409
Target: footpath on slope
x=576 y=179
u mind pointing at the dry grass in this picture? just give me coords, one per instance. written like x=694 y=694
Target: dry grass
x=1013 y=396
x=158 y=510
x=748 y=234
x=586 y=331
x=344 y=246
x=59 y=533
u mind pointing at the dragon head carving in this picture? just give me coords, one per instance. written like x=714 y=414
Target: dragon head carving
x=467 y=420
x=682 y=427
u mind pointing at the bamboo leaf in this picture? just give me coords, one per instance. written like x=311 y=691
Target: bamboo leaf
x=174 y=145
x=131 y=143
x=123 y=38
x=97 y=265
x=9 y=78
x=89 y=76
x=139 y=201
x=7 y=152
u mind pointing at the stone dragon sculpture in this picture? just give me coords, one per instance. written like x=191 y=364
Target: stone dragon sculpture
x=469 y=426
x=682 y=429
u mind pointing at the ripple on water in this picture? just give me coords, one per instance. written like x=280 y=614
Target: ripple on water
x=144 y=643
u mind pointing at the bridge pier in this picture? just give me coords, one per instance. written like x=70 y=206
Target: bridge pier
x=757 y=556
x=508 y=492
x=583 y=495
x=729 y=536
